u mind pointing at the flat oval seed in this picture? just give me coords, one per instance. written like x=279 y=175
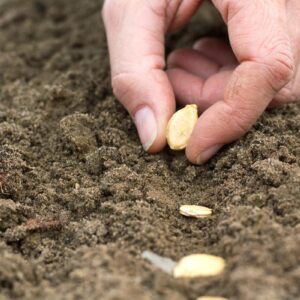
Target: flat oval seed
x=195 y=211
x=211 y=298
x=199 y=265
x=180 y=127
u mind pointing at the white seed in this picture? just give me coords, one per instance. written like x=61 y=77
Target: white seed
x=180 y=127
x=199 y=265
x=195 y=211
x=211 y=298
x=164 y=263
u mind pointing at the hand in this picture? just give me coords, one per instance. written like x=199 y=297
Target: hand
x=233 y=86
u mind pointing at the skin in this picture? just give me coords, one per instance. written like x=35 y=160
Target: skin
x=231 y=84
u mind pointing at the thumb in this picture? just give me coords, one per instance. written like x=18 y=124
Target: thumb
x=259 y=38
x=135 y=33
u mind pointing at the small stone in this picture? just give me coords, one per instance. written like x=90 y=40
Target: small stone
x=195 y=211
x=199 y=265
x=180 y=127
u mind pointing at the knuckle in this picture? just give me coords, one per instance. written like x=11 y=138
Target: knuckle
x=238 y=118
x=287 y=94
x=122 y=85
x=230 y=8
x=284 y=65
x=281 y=66
x=119 y=85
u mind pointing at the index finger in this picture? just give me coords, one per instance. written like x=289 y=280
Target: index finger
x=135 y=33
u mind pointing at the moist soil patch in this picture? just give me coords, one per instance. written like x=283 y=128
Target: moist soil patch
x=80 y=200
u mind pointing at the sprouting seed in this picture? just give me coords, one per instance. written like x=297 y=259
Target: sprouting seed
x=195 y=211
x=164 y=263
x=199 y=265
x=180 y=127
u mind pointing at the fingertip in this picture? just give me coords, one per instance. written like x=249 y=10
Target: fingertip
x=217 y=50
x=206 y=43
x=146 y=124
x=170 y=59
x=150 y=101
x=201 y=149
x=184 y=13
x=204 y=156
x=151 y=132
x=198 y=45
x=158 y=145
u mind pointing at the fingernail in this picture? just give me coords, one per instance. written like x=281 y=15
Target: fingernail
x=207 y=154
x=145 y=122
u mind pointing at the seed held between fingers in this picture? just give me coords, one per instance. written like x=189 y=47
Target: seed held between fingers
x=180 y=127
x=195 y=211
x=199 y=265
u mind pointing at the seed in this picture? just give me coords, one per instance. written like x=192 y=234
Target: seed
x=211 y=298
x=199 y=265
x=195 y=211
x=180 y=127
x=164 y=263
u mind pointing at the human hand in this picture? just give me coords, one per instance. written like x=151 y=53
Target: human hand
x=233 y=86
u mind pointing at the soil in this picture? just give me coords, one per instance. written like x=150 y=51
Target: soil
x=81 y=200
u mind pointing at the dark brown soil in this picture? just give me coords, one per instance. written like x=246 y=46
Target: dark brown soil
x=80 y=199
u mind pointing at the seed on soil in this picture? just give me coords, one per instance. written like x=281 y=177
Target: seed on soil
x=180 y=127
x=199 y=265
x=195 y=211
x=211 y=298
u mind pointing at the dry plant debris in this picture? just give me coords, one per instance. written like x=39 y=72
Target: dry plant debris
x=36 y=224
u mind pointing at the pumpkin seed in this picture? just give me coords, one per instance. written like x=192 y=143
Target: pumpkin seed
x=199 y=265
x=180 y=127
x=195 y=211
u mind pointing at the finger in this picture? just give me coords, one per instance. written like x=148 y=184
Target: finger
x=289 y=93
x=135 y=34
x=191 y=89
x=217 y=50
x=284 y=96
x=260 y=41
x=184 y=13
x=193 y=62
